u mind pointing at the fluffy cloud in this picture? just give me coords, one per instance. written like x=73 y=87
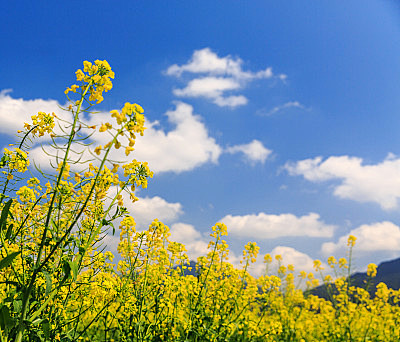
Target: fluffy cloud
x=380 y=236
x=210 y=87
x=219 y=75
x=15 y=112
x=254 y=151
x=264 y=226
x=185 y=147
x=378 y=183
x=300 y=261
x=193 y=240
x=182 y=149
x=147 y=209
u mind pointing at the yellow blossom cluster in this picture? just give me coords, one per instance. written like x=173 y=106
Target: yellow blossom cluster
x=16 y=160
x=42 y=123
x=96 y=78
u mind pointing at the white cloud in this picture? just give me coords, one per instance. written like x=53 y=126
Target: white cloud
x=193 y=240
x=222 y=74
x=182 y=149
x=210 y=87
x=213 y=89
x=380 y=236
x=300 y=261
x=276 y=109
x=147 y=209
x=378 y=183
x=264 y=226
x=254 y=151
x=15 y=112
x=230 y=101
x=185 y=147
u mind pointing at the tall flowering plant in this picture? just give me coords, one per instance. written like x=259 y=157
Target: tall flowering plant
x=50 y=235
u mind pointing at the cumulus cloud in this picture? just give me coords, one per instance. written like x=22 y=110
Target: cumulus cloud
x=377 y=183
x=300 y=261
x=147 y=209
x=381 y=236
x=15 y=112
x=210 y=87
x=184 y=148
x=254 y=151
x=187 y=146
x=217 y=76
x=265 y=226
x=193 y=240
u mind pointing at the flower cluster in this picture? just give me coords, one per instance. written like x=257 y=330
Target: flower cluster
x=95 y=78
x=15 y=160
x=42 y=123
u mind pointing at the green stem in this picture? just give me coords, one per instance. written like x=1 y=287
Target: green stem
x=38 y=266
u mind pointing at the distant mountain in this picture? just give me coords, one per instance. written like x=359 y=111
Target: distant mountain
x=388 y=272
x=187 y=272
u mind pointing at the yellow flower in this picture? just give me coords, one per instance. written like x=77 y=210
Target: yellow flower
x=371 y=270
x=351 y=241
x=128 y=150
x=79 y=75
x=317 y=265
x=267 y=258
x=103 y=128
x=97 y=150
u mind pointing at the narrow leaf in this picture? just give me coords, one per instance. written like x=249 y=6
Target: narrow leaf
x=4 y=214
x=48 y=281
x=8 y=260
x=5 y=318
x=74 y=268
x=67 y=272
x=9 y=230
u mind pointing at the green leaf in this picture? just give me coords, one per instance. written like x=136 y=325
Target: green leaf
x=104 y=222
x=48 y=281
x=9 y=230
x=5 y=318
x=8 y=259
x=74 y=268
x=4 y=214
x=46 y=328
x=17 y=305
x=67 y=272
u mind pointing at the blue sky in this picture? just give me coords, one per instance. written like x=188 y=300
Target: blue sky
x=280 y=119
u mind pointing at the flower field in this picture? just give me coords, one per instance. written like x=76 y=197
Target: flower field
x=58 y=282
